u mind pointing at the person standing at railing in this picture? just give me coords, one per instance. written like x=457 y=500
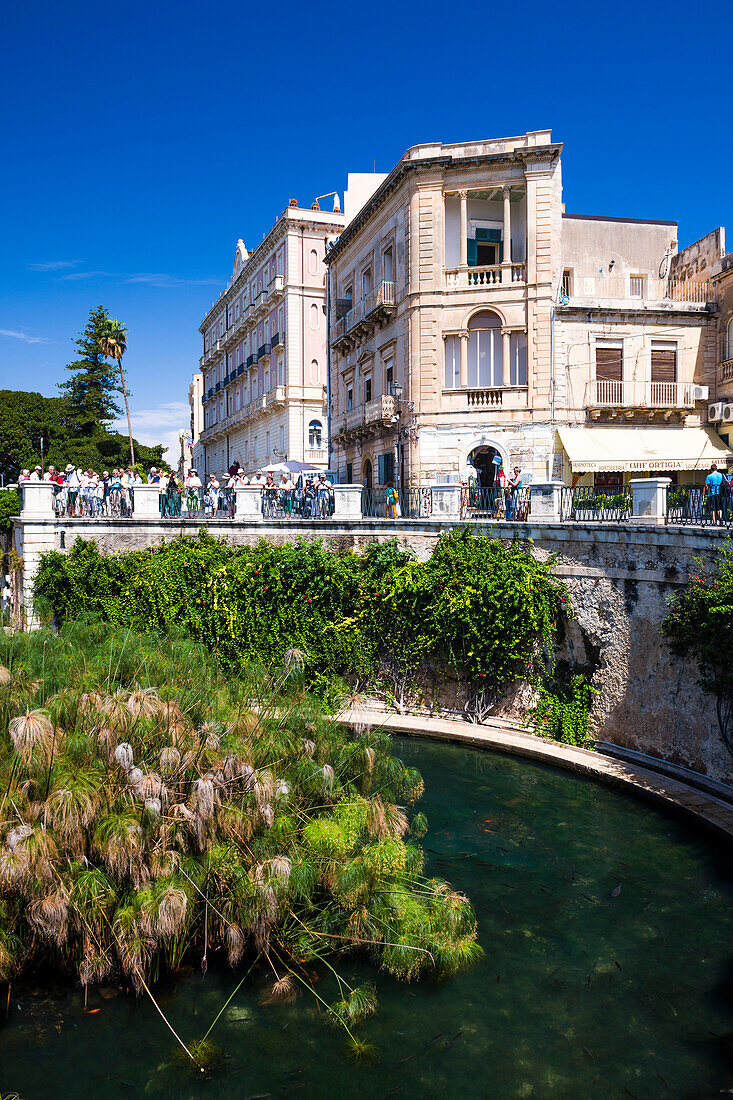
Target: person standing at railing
x=211 y=500
x=391 y=500
x=323 y=489
x=286 y=488
x=713 y=494
x=514 y=495
x=193 y=490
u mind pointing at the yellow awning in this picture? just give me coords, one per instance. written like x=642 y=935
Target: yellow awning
x=641 y=449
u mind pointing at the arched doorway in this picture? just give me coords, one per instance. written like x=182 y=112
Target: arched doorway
x=482 y=460
x=366 y=474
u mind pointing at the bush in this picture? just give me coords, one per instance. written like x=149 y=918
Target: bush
x=481 y=610
x=562 y=711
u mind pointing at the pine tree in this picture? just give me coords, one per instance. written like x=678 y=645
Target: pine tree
x=90 y=391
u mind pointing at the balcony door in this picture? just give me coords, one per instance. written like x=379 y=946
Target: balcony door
x=664 y=373
x=609 y=372
x=485 y=351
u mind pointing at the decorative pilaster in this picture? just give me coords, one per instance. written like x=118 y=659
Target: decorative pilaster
x=464 y=361
x=506 y=263
x=463 y=196
x=506 y=356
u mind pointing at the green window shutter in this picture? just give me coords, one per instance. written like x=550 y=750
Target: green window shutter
x=349 y=473
x=382 y=478
x=501 y=252
x=471 y=243
x=494 y=235
x=389 y=464
x=483 y=234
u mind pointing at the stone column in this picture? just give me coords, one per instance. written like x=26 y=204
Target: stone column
x=649 y=499
x=146 y=501
x=248 y=503
x=545 y=501
x=446 y=500
x=506 y=275
x=463 y=196
x=347 y=500
x=464 y=361
x=506 y=356
x=37 y=498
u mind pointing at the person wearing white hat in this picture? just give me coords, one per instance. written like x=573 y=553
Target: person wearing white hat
x=36 y=475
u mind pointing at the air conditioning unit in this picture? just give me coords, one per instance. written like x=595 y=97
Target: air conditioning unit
x=727 y=413
x=715 y=412
x=700 y=393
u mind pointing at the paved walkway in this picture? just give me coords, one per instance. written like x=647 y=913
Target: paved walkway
x=507 y=737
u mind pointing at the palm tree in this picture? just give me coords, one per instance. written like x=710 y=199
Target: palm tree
x=113 y=343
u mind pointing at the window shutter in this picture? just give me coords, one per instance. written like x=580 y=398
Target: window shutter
x=381 y=475
x=494 y=235
x=664 y=366
x=471 y=249
x=609 y=364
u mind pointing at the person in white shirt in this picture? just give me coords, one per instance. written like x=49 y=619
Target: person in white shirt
x=50 y=474
x=285 y=489
x=36 y=475
x=212 y=495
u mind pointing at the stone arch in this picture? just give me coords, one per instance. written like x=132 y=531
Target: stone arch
x=484 y=439
x=474 y=315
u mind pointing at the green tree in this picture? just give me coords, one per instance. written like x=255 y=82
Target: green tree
x=113 y=342
x=90 y=392
x=25 y=418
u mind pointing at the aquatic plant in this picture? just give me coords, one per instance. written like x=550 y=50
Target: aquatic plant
x=152 y=809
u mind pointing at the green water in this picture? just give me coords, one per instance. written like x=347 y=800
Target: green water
x=581 y=993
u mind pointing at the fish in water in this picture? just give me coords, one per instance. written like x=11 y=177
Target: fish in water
x=615 y=893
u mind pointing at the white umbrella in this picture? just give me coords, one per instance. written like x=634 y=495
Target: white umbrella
x=278 y=468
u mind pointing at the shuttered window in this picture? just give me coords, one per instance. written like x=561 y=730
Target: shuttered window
x=664 y=364
x=609 y=363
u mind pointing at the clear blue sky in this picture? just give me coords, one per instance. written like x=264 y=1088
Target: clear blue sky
x=140 y=141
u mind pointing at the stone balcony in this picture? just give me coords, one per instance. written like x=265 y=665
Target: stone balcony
x=366 y=420
x=500 y=275
x=485 y=397
x=371 y=312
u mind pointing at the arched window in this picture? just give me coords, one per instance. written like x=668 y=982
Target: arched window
x=315 y=434
x=485 y=366
x=729 y=339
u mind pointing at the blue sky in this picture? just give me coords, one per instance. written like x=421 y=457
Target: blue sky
x=141 y=140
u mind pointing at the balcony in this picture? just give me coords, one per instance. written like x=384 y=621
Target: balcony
x=263 y=351
x=276 y=398
x=631 y=397
x=251 y=360
x=373 y=311
x=367 y=420
x=276 y=341
x=259 y=303
x=218 y=387
x=317 y=455
x=497 y=275
x=639 y=292
x=726 y=372
x=275 y=290
x=506 y=398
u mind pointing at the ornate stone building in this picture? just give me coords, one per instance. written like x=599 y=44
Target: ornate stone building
x=473 y=320
x=264 y=350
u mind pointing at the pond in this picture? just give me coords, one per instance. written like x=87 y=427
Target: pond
x=607 y=926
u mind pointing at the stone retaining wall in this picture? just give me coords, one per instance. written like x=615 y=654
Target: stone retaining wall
x=619 y=579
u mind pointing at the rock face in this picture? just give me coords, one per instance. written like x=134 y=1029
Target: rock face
x=619 y=577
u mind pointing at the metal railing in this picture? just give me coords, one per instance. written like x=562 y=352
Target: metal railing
x=585 y=504
x=604 y=392
x=697 y=506
x=379 y=502
x=643 y=288
x=495 y=503
x=298 y=503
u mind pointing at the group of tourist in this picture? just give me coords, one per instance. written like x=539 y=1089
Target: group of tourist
x=309 y=498
x=88 y=494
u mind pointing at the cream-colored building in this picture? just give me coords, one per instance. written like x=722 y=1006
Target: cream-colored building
x=474 y=320
x=264 y=350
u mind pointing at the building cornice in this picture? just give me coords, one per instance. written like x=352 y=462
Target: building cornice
x=292 y=217
x=404 y=168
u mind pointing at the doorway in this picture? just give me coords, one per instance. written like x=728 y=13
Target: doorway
x=366 y=475
x=482 y=460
